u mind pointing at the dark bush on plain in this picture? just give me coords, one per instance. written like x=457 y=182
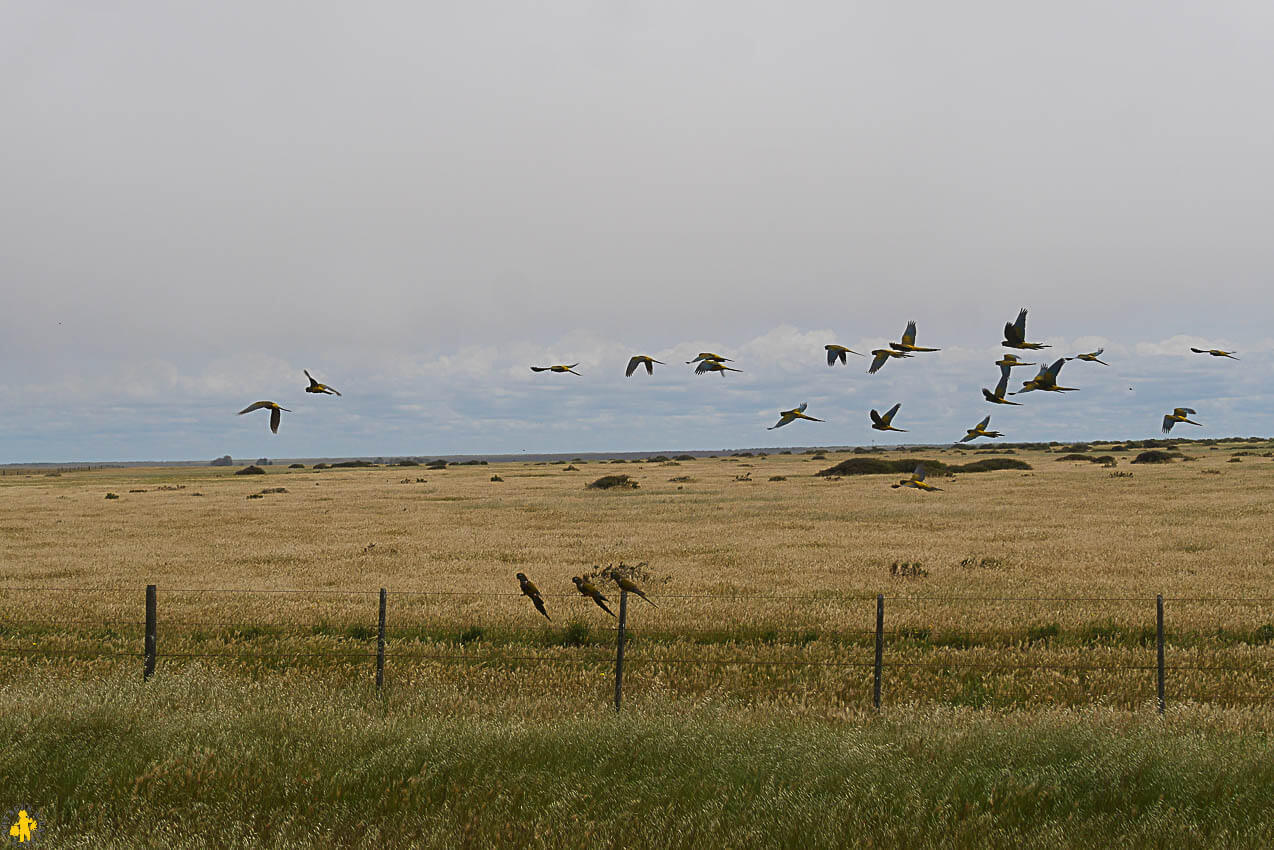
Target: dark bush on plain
x=606 y=482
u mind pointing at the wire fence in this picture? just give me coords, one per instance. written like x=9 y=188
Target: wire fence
x=892 y=651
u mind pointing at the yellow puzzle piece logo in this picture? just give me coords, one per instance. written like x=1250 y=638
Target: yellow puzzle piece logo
x=23 y=827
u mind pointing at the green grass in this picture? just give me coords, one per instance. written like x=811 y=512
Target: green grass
x=199 y=758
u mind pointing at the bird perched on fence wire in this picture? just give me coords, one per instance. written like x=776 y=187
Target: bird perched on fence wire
x=909 y=340
x=642 y=360
x=885 y=422
x=625 y=583
x=1046 y=380
x=786 y=416
x=707 y=366
x=1015 y=335
x=586 y=588
x=838 y=352
x=1001 y=388
x=980 y=430
x=1215 y=352
x=533 y=593
x=559 y=368
x=916 y=480
x=882 y=356
x=708 y=355
x=1090 y=357
x=316 y=387
x=1011 y=360
x=274 y=409
x=1179 y=414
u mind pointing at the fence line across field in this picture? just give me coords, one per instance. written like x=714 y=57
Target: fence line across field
x=150 y=648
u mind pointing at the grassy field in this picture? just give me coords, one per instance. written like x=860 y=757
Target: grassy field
x=1018 y=685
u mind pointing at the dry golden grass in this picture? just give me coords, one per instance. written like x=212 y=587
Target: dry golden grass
x=1058 y=566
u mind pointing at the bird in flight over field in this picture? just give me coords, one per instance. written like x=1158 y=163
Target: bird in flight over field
x=708 y=355
x=714 y=366
x=916 y=480
x=532 y=592
x=882 y=356
x=1178 y=414
x=1090 y=357
x=274 y=409
x=909 y=340
x=980 y=430
x=1015 y=335
x=642 y=360
x=786 y=416
x=625 y=583
x=1046 y=380
x=570 y=368
x=885 y=423
x=1011 y=360
x=1001 y=388
x=1215 y=352
x=316 y=387
x=838 y=352
x=586 y=588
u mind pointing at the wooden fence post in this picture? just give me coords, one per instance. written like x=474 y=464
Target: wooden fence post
x=1159 y=644
x=148 y=664
x=619 y=647
x=380 y=643
x=880 y=649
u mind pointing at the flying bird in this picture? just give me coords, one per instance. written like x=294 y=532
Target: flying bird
x=586 y=588
x=1090 y=357
x=786 y=416
x=708 y=355
x=916 y=480
x=838 y=352
x=883 y=355
x=909 y=340
x=642 y=360
x=570 y=368
x=1046 y=380
x=1001 y=388
x=532 y=592
x=1178 y=414
x=274 y=409
x=884 y=423
x=714 y=366
x=980 y=430
x=316 y=387
x=1215 y=352
x=1015 y=335
x=629 y=585
x=1011 y=360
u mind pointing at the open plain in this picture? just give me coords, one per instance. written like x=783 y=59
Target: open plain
x=1019 y=643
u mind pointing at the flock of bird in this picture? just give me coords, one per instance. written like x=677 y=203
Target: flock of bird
x=585 y=587
x=1045 y=380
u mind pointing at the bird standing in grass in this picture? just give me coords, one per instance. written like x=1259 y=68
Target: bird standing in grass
x=1001 y=388
x=1178 y=414
x=1046 y=380
x=882 y=356
x=316 y=387
x=706 y=366
x=570 y=368
x=629 y=585
x=1015 y=335
x=885 y=422
x=786 y=416
x=1215 y=352
x=916 y=480
x=1090 y=357
x=274 y=409
x=980 y=430
x=586 y=588
x=838 y=352
x=909 y=340
x=533 y=593
x=642 y=360
x=708 y=355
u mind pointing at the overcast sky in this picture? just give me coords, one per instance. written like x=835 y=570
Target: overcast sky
x=417 y=201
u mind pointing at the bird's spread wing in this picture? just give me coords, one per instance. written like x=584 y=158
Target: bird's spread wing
x=704 y=366
x=1167 y=422
x=540 y=368
x=632 y=367
x=275 y=416
x=1197 y=350
x=1019 y=326
x=783 y=420
x=919 y=474
x=833 y=355
x=256 y=405
x=985 y=422
x=804 y=405
x=875 y=417
x=881 y=357
x=889 y=414
x=1052 y=371
x=909 y=335
x=313 y=383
